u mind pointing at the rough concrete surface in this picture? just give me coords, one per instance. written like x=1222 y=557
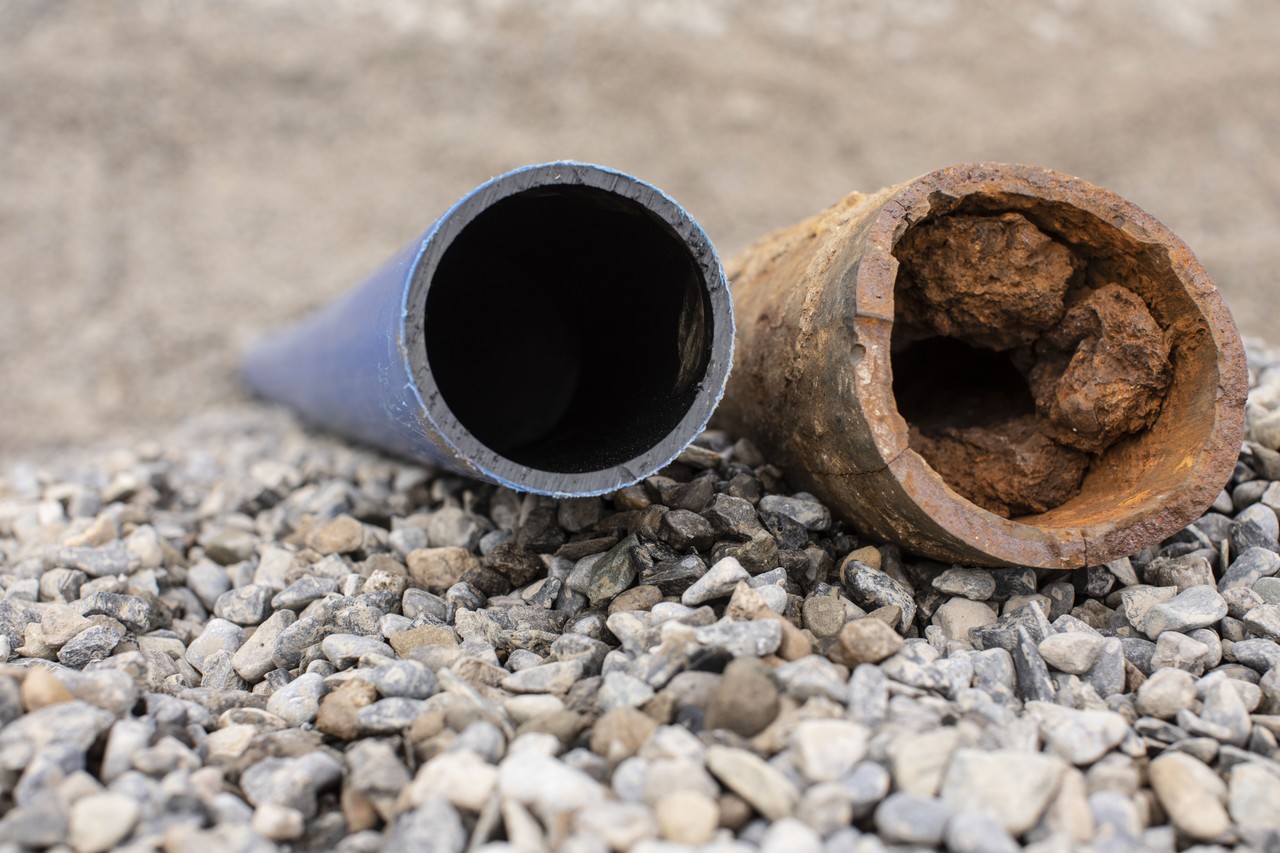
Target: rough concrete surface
x=179 y=176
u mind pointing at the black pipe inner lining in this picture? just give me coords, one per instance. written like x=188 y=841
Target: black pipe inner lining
x=568 y=328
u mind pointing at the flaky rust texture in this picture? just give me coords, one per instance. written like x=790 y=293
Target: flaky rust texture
x=812 y=383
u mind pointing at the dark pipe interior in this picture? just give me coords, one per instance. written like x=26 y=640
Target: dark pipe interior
x=567 y=328
x=944 y=382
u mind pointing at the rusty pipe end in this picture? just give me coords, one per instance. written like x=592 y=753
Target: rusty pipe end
x=830 y=316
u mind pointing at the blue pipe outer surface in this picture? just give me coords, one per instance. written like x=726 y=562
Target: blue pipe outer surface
x=359 y=366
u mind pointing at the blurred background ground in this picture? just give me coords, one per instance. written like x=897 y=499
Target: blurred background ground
x=178 y=175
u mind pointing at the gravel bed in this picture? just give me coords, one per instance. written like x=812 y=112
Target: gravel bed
x=252 y=637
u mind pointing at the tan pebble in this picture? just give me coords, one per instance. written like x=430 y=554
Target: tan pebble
x=867 y=641
x=437 y=569
x=744 y=701
x=425 y=635
x=1191 y=794
x=867 y=554
x=276 y=822
x=688 y=817
x=796 y=643
x=734 y=811
x=746 y=603
x=358 y=810
x=620 y=733
x=824 y=615
x=42 y=688
x=337 y=715
x=103 y=530
x=890 y=614
x=641 y=597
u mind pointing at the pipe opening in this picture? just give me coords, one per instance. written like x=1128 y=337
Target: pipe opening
x=943 y=383
x=568 y=328
x=1020 y=357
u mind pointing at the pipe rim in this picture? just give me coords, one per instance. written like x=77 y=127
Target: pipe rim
x=479 y=460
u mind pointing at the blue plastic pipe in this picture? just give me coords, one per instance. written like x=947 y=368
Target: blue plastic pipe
x=563 y=329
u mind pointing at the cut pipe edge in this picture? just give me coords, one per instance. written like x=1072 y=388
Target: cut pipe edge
x=813 y=379
x=564 y=329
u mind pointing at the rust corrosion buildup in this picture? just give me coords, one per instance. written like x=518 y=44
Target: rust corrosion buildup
x=991 y=365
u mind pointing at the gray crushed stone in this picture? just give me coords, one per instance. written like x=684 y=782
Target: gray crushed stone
x=251 y=637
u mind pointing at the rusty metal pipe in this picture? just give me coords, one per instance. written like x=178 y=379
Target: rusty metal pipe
x=564 y=329
x=846 y=372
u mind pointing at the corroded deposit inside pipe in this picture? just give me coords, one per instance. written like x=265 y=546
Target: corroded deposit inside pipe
x=1017 y=362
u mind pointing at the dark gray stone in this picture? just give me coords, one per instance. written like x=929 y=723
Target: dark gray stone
x=683 y=529
x=1011 y=582
x=1034 y=683
x=805 y=511
x=1250 y=566
x=77 y=724
x=218 y=635
x=112 y=559
x=344 y=650
x=1003 y=632
x=357 y=615
x=246 y=605
x=757 y=555
x=912 y=819
x=1138 y=651
x=91 y=644
x=405 y=678
x=1062 y=597
x=673 y=577
x=518 y=565
x=417 y=602
x=1259 y=654
x=871 y=588
x=296 y=639
x=432 y=827
x=973 y=584
x=732 y=516
x=548 y=593
x=1107 y=674
x=134 y=613
x=693 y=495
x=15 y=615
x=290 y=782
x=994 y=673
x=1099 y=580
x=303 y=591
x=1246 y=534
x=1264 y=621
x=1195 y=607
x=388 y=716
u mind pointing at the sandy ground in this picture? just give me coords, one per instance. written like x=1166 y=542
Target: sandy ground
x=176 y=177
